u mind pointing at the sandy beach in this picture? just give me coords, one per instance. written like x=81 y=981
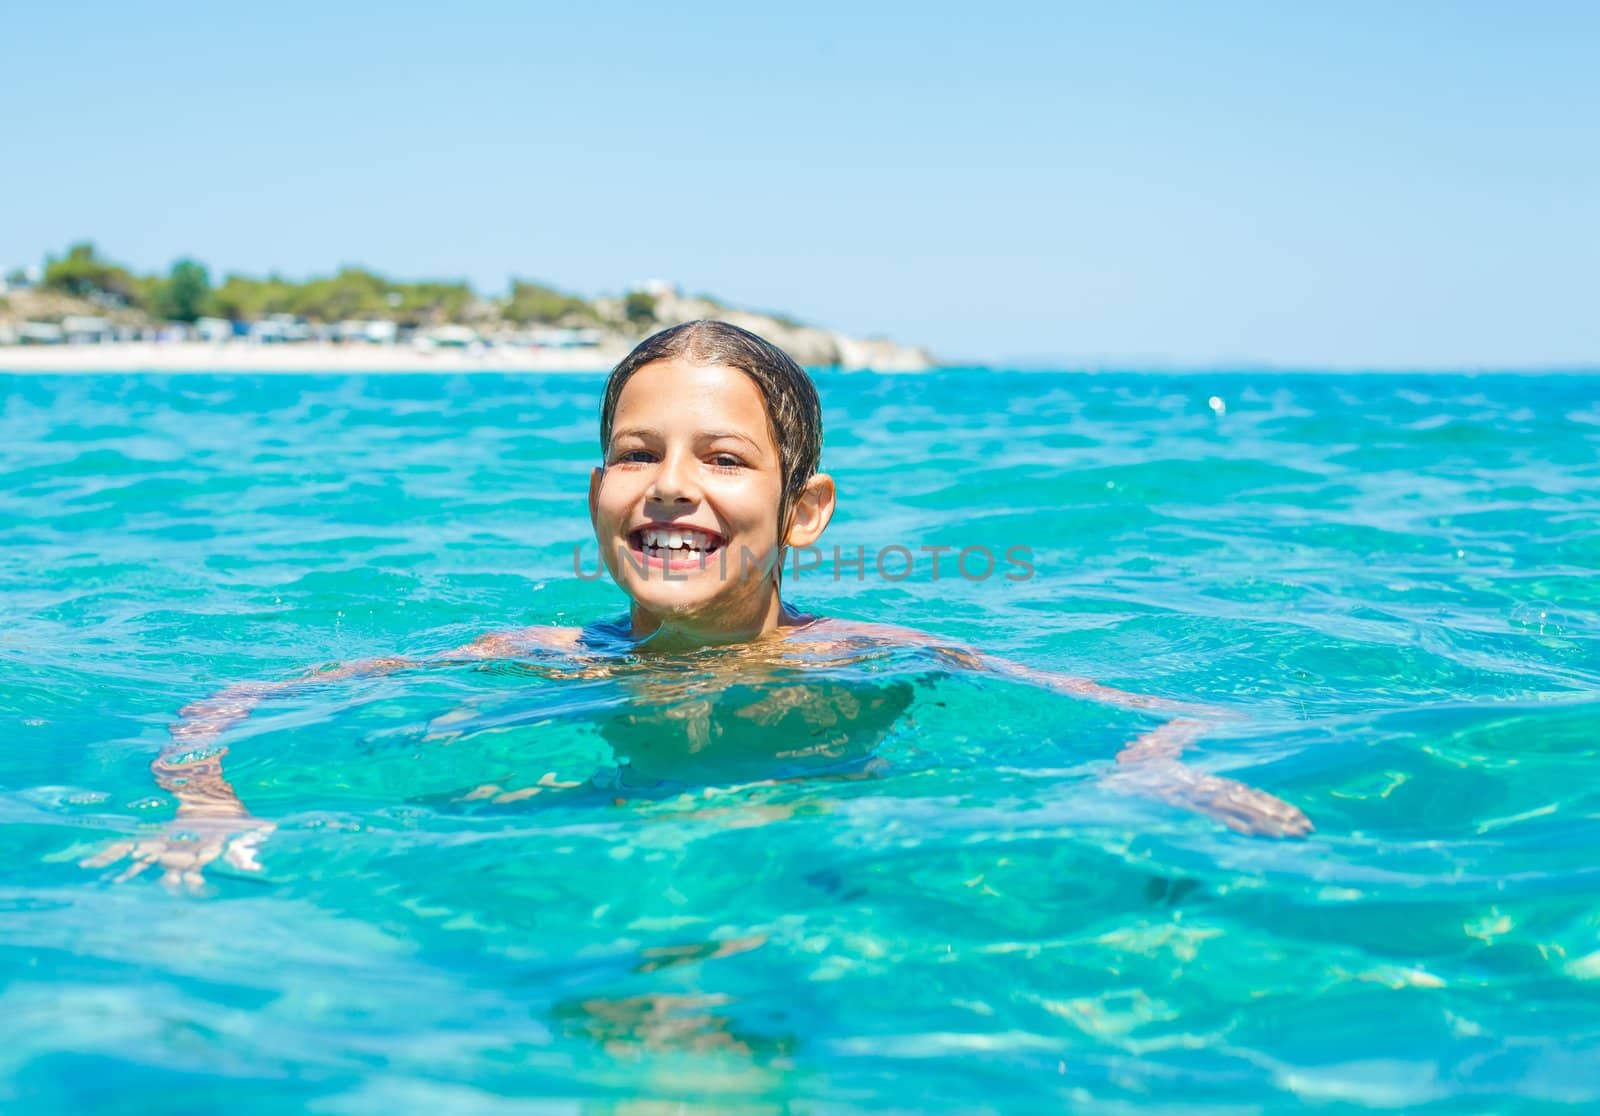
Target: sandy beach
x=202 y=356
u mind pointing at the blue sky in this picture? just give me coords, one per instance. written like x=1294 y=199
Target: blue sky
x=1353 y=184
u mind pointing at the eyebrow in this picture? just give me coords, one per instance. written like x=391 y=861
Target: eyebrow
x=708 y=435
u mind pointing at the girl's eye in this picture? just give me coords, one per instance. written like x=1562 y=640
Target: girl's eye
x=635 y=456
x=726 y=461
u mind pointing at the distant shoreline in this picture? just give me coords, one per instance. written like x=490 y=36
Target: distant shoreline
x=313 y=357
x=316 y=357
x=305 y=357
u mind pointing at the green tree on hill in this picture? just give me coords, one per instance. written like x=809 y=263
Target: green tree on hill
x=83 y=274
x=185 y=295
x=428 y=303
x=535 y=303
x=640 y=307
x=243 y=299
x=356 y=293
x=353 y=293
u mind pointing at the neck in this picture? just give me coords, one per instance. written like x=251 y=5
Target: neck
x=669 y=633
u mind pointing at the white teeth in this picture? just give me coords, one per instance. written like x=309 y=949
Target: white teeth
x=657 y=538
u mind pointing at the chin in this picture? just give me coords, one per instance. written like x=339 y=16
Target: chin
x=676 y=602
x=709 y=606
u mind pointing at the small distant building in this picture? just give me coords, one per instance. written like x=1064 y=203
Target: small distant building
x=85 y=329
x=655 y=288
x=40 y=333
x=565 y=338
x=449 y=336
x=214 y=329
x=278 y=329
x=374 y=332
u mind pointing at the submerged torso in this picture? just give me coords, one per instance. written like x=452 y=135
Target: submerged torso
x=744 y=732
x=800 y=703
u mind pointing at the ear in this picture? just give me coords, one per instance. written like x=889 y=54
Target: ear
x=594 y=495
x=811 y=512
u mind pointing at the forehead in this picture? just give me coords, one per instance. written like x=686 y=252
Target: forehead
x=681 y=395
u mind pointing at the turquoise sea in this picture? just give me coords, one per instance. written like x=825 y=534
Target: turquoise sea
x=1390 y=580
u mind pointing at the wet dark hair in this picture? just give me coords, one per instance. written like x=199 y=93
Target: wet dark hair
x=793 y=409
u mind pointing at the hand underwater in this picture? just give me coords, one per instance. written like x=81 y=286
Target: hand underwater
x=1239 y=807
x=186 y=845
x=1150 y=765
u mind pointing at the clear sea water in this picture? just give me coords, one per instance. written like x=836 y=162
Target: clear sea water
x=1391 y=580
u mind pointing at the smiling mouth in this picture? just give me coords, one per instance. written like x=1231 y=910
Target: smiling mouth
x=672 y=544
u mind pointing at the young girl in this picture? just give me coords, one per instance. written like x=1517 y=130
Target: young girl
x=712 y=439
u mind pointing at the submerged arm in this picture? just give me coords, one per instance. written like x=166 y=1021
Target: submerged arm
x=211 y=820
x=190 y=767
x=203 y=721
x=1150 y=762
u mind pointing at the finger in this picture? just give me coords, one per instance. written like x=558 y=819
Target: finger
x=1238 y=806
x=1274 y=817
x=180 y=858
x=1247 y=817
x=109 y=855
x=242 y=852
x=1234 y=822
x=138 y=866
x=1277 y=816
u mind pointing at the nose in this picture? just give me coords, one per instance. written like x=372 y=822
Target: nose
x=674 y=482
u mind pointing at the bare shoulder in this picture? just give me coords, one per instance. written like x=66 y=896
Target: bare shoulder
x=834 y=631
x=496 y=645
x=832 y=626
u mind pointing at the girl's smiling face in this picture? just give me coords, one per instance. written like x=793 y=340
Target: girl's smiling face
x=686 y=507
